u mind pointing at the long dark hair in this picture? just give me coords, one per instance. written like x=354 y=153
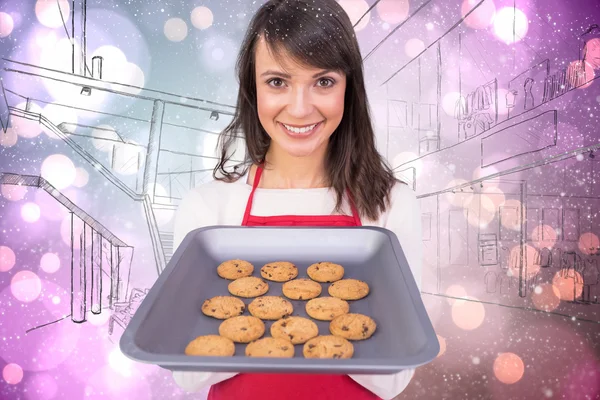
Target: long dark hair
x=318 y=33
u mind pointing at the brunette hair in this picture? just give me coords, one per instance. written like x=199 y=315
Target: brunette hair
x=316 y=33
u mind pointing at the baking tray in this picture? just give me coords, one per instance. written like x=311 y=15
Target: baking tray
x=169 y=317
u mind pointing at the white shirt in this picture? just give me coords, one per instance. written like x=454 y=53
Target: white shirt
x=220 y=203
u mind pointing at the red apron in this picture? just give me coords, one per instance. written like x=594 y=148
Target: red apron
x=291 y=386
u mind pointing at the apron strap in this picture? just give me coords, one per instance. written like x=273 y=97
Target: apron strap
x=255 y=183
x=258 y=174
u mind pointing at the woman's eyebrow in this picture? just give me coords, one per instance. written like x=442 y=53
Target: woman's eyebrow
x=288 y=76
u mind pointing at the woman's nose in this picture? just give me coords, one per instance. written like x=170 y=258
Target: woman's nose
x=300 y=103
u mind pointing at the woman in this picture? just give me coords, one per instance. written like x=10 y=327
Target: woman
x=310 y=159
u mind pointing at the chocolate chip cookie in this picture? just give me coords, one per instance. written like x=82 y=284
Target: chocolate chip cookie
x=242 y=329
x=325 y=272
x=223 y=307
x=270 y=307
x=328 y=346
x=249 y=286
x=295 y=329
x=270 y=347
x=279 y=271
x=326 y=308
x=235 y=269
x=353 y=326
x=349 y=289
x=210 y=345
x=301 y=289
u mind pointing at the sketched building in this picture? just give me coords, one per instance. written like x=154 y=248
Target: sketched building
x=505 y=170
x=141 y=161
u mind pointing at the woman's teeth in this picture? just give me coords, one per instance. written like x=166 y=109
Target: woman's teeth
x=299 y=130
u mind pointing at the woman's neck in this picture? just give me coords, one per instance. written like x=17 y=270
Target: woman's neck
x=283 y=171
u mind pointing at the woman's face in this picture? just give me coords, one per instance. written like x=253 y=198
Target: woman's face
x=298 y=111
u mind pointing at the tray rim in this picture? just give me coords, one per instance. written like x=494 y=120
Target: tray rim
x=129 y=348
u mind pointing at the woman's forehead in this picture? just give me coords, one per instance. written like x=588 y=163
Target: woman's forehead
x=266 y=59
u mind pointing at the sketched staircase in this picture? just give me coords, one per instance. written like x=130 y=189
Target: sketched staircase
x=99 y=254
x=166 y=239
x=62 y=132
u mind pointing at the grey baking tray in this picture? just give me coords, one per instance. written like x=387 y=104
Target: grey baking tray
x=170 y=317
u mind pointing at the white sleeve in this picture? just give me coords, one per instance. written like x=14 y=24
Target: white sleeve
x=191 y=214
x=404 y=219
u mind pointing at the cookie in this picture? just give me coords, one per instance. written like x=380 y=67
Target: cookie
x=235 y=269
x=270 y=347
x=301 y=289
x=353 y=326
x=349 y=289
x=242 y=329
x=249 y=286
x=295 y=329
x=270 y=307
x=328 y=346
x=223 y=307
x=327 y=308
x=210 y=345
x=279 y=271
x=325 y=272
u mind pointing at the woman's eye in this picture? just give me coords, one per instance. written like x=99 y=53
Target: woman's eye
x=326 y=80
x=276 y=80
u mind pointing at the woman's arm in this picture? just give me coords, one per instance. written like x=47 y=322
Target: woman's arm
x=404 y=219
x=193 y=213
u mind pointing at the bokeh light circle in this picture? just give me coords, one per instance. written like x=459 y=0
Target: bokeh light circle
x=7 y=258
x=510 y=25
x=393 y=11
x=6 y=24
x=569 y=284
x=59 y=171
x=589 y=243
x=546 y=297
x=48 y=12
x=26 y=286
x=355 y=10
x=468 y=315
x=12 y=373
x=30 y=212
x=508 y=368
x=202 y=17
x=481 y=17
x=8 y=138
x=175 y=29
x=50 y=263
x=13 y=192
x=414 y=47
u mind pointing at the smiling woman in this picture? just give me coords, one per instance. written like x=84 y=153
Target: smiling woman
x=300 y=65
x=310 y=160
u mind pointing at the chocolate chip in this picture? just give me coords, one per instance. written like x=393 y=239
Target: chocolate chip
x=316 y=268
x=345 y=328
x=331 y=315
x=243 y=308
x=269 y=351
x=291 y=336
x=284 y=324
x=337 y=356
x=213 y=310
x=226 y=312
x=270 y=275
x=243 y=329
x=310 y=346
x=299 y=297
x=365 y=328
x=337 y=345
x=240 y=271
x=236 y=265
x=284 y=348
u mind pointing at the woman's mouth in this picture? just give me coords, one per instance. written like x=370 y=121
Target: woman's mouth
x=304 y=131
